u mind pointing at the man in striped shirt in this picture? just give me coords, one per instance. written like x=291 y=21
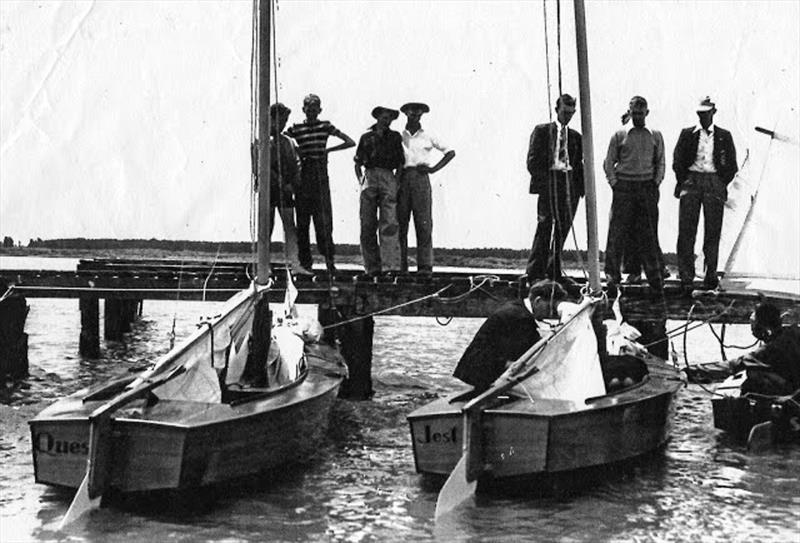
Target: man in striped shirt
x=313 y=194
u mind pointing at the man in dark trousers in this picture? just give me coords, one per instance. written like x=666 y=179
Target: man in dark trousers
x=380 y=154
x=634 y=167
x=313 y=194
x=285 y=174
x=507 y=334
x=704 y=162
x=555 y=162
x=425 y=154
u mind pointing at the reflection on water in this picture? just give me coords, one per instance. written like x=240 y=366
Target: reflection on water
x=361 y=486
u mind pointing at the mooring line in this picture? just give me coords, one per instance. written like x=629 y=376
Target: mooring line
x=387 y=309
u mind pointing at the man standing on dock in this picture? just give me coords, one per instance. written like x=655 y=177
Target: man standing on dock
x=380 y=153
x=285 y=175
x=313 y=195
x=555 y=162
x=704 y=163
x=414 y=193
x=634 y=167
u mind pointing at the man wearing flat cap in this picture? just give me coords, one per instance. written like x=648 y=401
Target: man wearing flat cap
x=380 y=154
x=424 y=154
x=704 y=163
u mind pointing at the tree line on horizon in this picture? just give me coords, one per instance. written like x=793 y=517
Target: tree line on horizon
x=344 y=249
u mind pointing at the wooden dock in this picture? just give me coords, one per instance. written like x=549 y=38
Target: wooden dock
x=347 y=301
x=445 y=294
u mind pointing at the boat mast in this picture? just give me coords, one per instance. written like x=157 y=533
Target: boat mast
x=588 y=146
x=263 y=25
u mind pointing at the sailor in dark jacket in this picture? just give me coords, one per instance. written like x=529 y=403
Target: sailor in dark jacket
x=704 y=162
x=774 y=367
x=555 y=162
x=507 y=334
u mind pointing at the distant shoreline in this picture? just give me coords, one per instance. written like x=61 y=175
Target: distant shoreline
x=236 y=251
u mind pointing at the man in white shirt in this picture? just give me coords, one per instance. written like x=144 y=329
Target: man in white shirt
x=704 y=162
x=424 y=154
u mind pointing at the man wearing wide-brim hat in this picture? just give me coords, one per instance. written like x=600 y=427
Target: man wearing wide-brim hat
x=380 y=154
x=424 y=154
x=704 y=163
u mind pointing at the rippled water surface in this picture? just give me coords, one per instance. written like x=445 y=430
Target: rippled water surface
x=362 y=485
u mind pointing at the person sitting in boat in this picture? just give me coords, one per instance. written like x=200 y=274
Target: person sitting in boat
x=509 y=332
x=774 y=368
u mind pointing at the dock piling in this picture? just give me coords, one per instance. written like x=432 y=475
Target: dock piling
x=355 y=342
x=89 y=344
x=13 y=339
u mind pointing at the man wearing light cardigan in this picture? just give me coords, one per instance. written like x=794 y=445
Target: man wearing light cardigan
x=634 y=167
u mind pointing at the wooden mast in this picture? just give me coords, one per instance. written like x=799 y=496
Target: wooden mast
x=263 y=26
x=588 y=147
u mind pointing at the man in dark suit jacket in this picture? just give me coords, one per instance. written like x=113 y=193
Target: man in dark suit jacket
x=704 y=162
x=555 y=162
x=507 y=334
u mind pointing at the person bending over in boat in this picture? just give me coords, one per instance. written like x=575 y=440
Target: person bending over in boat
x=508 y=332
x=772 y=369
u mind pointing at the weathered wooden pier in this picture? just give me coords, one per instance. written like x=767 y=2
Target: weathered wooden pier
x=347 y=301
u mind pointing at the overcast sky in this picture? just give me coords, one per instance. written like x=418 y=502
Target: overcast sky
x=132 y=119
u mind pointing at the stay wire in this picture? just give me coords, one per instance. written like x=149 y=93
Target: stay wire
x=253 y=133
x=279 y=163
x=547 y=62
x=558 y=42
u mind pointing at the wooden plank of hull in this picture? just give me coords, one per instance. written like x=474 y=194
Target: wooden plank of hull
x=257 y=443
x=436 y=435
x=610 y=434
x=174 y=444
x=547 y=436
x=515 y=443
x=59 y=451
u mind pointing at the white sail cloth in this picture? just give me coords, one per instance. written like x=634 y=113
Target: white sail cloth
x=568 y=364
x=761 y=230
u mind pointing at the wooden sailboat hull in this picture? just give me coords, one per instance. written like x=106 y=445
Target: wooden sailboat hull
x=180 y=444
x=523 y=438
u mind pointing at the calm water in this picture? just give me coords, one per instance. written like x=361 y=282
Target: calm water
x=362 y=485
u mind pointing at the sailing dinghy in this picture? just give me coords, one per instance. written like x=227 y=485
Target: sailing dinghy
x=556 y=410
x=559 y=408
x=177 y=426
x=187 y=422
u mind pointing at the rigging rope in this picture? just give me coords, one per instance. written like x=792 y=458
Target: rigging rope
x=558 y=42
x=175 y=312
x=281 y=204
x=547 y=62
x=438 y=295
x=253 y=134
x=387 y=309
x=210 y=272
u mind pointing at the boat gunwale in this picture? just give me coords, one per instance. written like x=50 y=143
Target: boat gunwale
x=633 y=395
